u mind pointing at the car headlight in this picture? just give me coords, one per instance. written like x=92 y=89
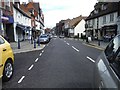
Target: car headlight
x=44 y=39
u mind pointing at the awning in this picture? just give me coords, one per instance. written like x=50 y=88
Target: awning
x=11 y=20
x=27 y=28
x=4 y=18
x=7 y=19
x=22 y=27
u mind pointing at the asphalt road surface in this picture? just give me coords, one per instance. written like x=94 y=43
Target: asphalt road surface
x=63 y=63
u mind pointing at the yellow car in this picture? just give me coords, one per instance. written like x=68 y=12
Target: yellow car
x=6 y=60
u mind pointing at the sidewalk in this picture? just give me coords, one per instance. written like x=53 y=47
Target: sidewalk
x=25 y=46
x=95 y=43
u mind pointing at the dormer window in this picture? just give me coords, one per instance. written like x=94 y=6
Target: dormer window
x=96 y=11
x=103 y=7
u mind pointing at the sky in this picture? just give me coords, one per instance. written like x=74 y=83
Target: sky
x=57 y=10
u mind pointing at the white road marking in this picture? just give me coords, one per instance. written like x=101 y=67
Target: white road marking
x=42 y=51
x=40 y=54
x=91 y=59
x=30 y=67
x=68 y=44
x=64 y=41
x=21 y=79
x=75 y=48
x=36 y=59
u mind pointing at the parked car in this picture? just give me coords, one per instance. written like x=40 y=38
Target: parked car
x=61 y=36
x=44 y=38
x=55 y=36
x=107 y=66
x=50 y=36
x=6 y=60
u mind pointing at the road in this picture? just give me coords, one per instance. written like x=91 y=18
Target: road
x=63 y=63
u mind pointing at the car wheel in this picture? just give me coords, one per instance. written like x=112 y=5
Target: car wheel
x=8 y=71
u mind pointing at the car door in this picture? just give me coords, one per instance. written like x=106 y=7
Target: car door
x=2 y=42
x=112 y=73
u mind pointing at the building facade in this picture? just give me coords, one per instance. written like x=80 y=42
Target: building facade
x=6 y=15
x=102 y=21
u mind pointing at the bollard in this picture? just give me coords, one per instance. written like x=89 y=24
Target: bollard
x=98 y=42
x=87 y=40
x=34 y=43
x=18 y=43
x=31 y=41
x=38 y=41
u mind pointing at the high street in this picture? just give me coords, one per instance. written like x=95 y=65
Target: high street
x=63 y=63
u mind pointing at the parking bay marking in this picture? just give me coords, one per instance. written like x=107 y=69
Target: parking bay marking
x=75 y=48
x=30 y=67
x=91 y=59
x=21 y=79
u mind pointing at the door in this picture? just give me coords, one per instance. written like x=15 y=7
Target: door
x=2 y=42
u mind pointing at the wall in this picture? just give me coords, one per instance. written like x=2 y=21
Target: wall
x=107 y=20
x=80 y=28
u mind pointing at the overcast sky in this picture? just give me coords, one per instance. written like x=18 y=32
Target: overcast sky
x=56 y=10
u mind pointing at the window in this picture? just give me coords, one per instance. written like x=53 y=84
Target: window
x=1 y=41
x=112 y=48
x=113 y=54
x=104 y=19
x=116 y=64
x=111 y=17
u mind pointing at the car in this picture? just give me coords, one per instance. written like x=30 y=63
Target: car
x=6 y=60
x=43 y=38
x=55 y=36
x=61 y=36
x=50 y=36
x=107 y=66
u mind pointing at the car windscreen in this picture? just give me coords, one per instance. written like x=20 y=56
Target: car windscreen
x=43 y=36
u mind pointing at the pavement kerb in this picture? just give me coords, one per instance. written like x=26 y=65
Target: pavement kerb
x=96 y=46
x=25 y=51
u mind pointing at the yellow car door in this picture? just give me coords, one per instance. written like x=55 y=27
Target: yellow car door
x=2 y=42
x=0 y=61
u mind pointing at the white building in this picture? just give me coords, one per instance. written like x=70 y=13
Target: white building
x=22 y=24
x=103 y=20
x=80 y=28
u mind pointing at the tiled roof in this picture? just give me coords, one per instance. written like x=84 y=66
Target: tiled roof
x=73 y=22
x=22 y=7
x=36 y=5
x=21 y=11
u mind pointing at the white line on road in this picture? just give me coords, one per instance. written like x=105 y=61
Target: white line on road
x=36 y=59
x=30 y=67
x=40 y=54
x=75 y=48
x=64 y=41
x=68 y=44
x=91 y=59
x=42 y=51
x=21 y=79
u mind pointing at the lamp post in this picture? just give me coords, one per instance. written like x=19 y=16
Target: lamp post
x=98 y=33
x=86 y=26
